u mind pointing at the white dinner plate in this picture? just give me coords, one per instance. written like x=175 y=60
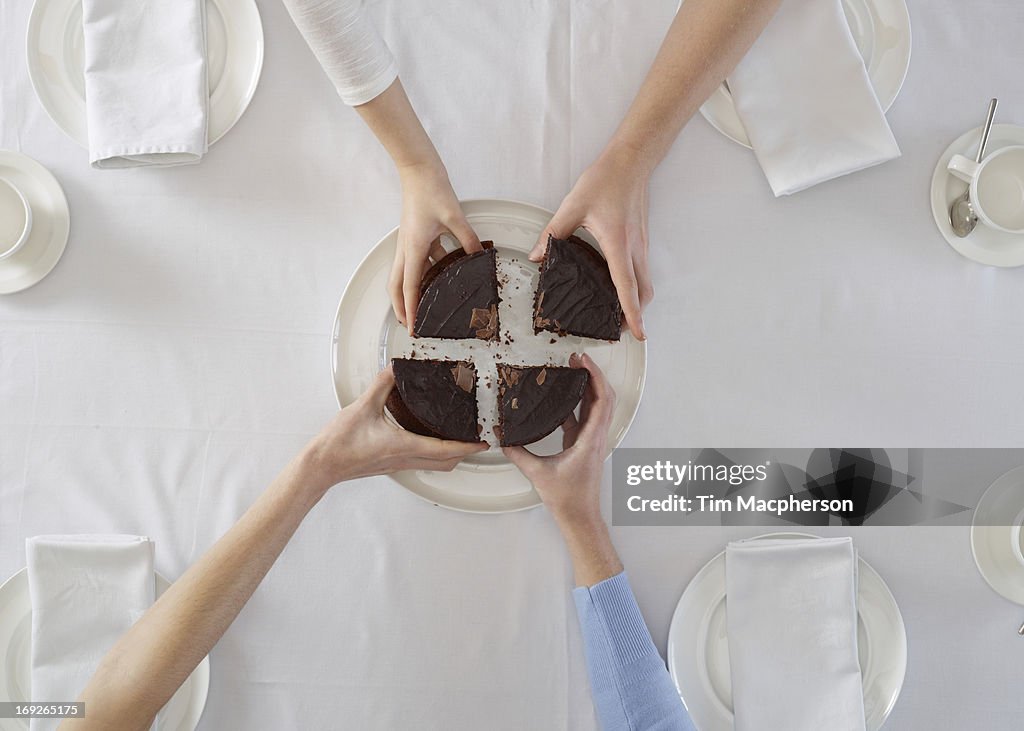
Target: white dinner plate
x=881 y=29
x=367 y=336
x=698 y=648
x=51 y=223
x=181 y=713
x=984 y=245
x=56 y=62
x=1002 y=502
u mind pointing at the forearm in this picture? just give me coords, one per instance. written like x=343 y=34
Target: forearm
x=362 y=69
x=631 y=686
x=589 y=544
x=704 y=43
x=146 y=666
x=392 y=119
x=153 y=658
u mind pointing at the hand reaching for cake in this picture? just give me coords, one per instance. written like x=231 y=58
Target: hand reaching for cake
x=360 y=442
x=704 y=43
x=429 y=209
x=429 y=204
x=148 y=663
x=619 y=652
x=569 y=482
x=610 y=201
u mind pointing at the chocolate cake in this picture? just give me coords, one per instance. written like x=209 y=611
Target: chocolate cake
x=459 y=297
x=435 y=398
x=575 y=293
x=533 y=401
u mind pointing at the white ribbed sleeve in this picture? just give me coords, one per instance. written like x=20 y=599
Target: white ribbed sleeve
x=347 y=45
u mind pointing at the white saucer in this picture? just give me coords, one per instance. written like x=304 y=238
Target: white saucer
x=367 y=336
x=698 y=648
x=181 y=713
x=985 y=245
x=990 y=541
x=56 y=61
x=881 y=29
x=51 y=223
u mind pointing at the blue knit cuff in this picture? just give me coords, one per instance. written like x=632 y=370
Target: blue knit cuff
x=620 y=617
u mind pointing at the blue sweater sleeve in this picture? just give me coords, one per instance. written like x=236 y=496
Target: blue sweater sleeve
x=632 y=688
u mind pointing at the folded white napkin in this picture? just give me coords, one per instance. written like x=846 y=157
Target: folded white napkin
x=86 y=591
x=805 y=98
x=792 y=622
x=146 y=93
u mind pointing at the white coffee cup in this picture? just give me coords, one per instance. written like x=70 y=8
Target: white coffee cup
x=15 y=219
x=1017 y=538
x=997 y=187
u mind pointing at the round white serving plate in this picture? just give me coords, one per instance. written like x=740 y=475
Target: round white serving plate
x=698 y=647
x=181 y=713
x=367 y=336
x=984 y=245
x=51 y=223
x=881 y=30
x=991 y=535
x=56 y=62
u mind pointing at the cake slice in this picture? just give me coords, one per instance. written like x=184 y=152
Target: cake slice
x=435 y=398
x=533 y=401
x=459 y=297
x=575 y=293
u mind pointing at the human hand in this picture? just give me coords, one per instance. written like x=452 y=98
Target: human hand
x=360 y=442
x=429 y=209
x=569 y=482
x=610 y=201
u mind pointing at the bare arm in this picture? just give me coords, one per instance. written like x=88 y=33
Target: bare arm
x=569 y=483
x=146 y=666
x=144 y=669
x=704 y=43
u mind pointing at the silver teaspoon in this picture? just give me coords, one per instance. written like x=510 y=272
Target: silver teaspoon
x=962 y=217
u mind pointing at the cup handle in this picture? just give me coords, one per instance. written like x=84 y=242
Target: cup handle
x=963 y=168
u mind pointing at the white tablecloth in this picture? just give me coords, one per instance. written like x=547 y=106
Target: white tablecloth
x=178 y=356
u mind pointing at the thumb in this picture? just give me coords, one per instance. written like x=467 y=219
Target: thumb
x=526 y=461
x=466 y=236
x=561 y=225
x=377 y=393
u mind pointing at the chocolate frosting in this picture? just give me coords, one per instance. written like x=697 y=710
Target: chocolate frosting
x=459 y=297
x=533 y=401
x=575 y=293
x=436 y=398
